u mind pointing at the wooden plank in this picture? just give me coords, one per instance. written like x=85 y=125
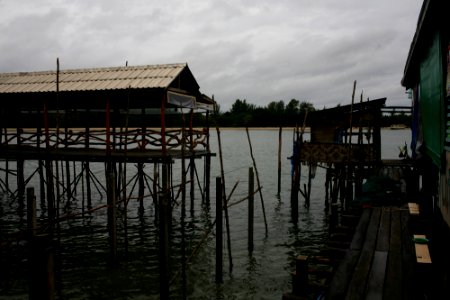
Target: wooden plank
x=377 y=275
x=413 y=209
x=394 y=270
x=408 y=258
x=422 y=252
x=357 y=287
x=342 y=276
x=360 y=231
x=394 y=277
x=384 y=230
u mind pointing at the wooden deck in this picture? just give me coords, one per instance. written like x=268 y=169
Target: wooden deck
x=381 y=261
x=95 y=154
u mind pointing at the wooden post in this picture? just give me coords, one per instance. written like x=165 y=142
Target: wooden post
x=279 y=160
x=68 y=184
x=192 y=180
x=327 y=187
x=163 y=245
x=183 y=225
x=224 y=197
x=300 y=284
x=207 y=171
x=31 y=213
x=163 y=124
x=86 y=164
x=41 y=183
x=112 y=226
x=7 y=164
x=42 y=277
x=192 y=160
x=20 y=174
x=251 y=189
x=41 y=170
x=87 y=171
x=207 y=177
x=165 y=177
x=20 y=183
x=141 y=175
x=257 y=180
x=334 y=218
x=219 y=235
x=155 y=186
x=141 y=165
x=295 y=182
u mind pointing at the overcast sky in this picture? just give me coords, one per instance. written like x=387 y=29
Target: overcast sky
x=258 y=50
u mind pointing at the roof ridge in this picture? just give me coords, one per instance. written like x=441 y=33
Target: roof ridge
x=95 y=69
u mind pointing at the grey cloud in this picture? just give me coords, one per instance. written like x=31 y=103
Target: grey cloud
x=257 y=50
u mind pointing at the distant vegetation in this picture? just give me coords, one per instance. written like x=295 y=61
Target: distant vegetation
x=278 y=113
x=275 y=114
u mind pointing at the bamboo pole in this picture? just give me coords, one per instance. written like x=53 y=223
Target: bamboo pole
x=279 y=160
x=164 y=244
x=112 y=224
x=250 y=208
x=348 y=184
x=31 y=213
x=295 y=180
x=183 y=208
x=227 y=221
x=207 y=171
x=191 y=160
x=257 y=180
x=219 y=238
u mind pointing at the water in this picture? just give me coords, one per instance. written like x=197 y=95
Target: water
x=265 y=274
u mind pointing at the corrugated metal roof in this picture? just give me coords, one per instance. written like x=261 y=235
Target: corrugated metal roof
x=135 y=77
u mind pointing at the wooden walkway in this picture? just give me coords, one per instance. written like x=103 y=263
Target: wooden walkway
x=381 y=261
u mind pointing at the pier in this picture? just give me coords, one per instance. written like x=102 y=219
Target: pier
x=134 y=122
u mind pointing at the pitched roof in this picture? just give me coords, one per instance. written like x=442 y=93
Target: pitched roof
x=113 y=78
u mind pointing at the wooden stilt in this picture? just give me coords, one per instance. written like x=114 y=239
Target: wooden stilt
x=42 y=277
x=7 y=164
x=112 y=223
x=20 y=184
x=327 y=187
x=141 y=185
x=87 y=171
x=224 y=199
x=207 y=178
x=295 y=182
x=20 y=172
x=183 y=234
x=279 y=160
x=257 y=180
x=192 y=181
x=219 y=234
x=42 y=184
x=31 y=213
x=163 y=245
x=300 y=277
x=41 y=170
x=155 y=187
x=68 y=183
x=251 y=189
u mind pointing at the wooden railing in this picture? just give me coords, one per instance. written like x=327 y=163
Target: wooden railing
x=147 y=139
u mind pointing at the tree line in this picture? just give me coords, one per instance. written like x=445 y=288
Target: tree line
x=276 y=114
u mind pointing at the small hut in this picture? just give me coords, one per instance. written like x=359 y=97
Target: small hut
x=346 y=140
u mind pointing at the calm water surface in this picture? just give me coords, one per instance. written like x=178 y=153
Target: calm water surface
x=264 y=274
